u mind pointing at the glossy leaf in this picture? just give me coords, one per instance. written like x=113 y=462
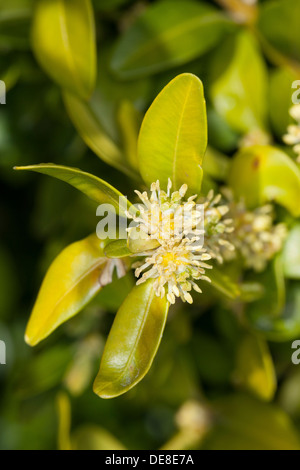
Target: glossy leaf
x=96 y=189
x=173 y=136
x=291 y=254
x=239 y=91
x=263 y=173
x=167 y=35
x=63 y=38
x=85 y=118
x=254 y=367
x=132 y=342
x=70 y=283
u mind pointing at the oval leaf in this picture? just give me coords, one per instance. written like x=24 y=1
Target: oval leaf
x=71 y=282
x=132 y=342
x=264 y=173
x=173 y=136
x=167 y=35
x=63 y=39
x=96 y=189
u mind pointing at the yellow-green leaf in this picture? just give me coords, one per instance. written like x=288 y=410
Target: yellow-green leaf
x=71 y=282
x=173 y=136
x=132 y=342
x=96 y=189
x=63 y=39
x=264 y=173
x=254 y=367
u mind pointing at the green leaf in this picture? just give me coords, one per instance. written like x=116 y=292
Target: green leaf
x=279 y=24
x=42 y=372
x=117 y=249
x=239 y=91
x=173 y=136
x=96 y=189
x=216 y=164
x=283 y=327
x=63 y=39
x=223 y=283
x=245 y=423
x=166 y=35
x=254 y=367
x=291 y=254
x=15 y=18
x=70 y=283
x=85 y=117
x=280 y=102
x=132 y=342
x=264 y=173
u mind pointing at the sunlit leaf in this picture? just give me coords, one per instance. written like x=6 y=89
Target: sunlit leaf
x=70 y=283
x=263 y=173
x=96 y=189
x=63 y=39
x=133 y=341
x=173 y=135
x=167 y=35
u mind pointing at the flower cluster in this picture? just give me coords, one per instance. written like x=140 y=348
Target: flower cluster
x=293 y=131
x=178 y=226
x=254 y=236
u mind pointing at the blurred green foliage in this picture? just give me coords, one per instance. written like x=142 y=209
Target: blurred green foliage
x=223 y=376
